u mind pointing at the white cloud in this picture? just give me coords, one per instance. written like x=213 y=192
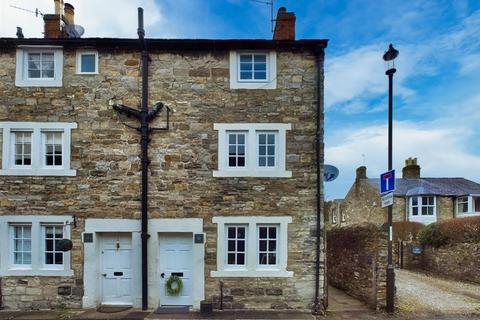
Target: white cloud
x=440 y=146
x=470 y=63
x=105 y=18
x=354 y=78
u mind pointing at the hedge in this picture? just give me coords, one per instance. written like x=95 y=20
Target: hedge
x=406 y=230
x=452 y=231
x=351 y=237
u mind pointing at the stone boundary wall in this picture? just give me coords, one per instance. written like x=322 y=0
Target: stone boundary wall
x=458 y=261
x=37 y=293
x=357 y=263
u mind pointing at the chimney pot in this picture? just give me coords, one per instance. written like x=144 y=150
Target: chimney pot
x=68 y=13
x=58 y=9
x=20 y=33
x=361 y=172
x=284 y=25
x=411 y=169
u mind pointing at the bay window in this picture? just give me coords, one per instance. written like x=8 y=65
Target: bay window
x=423 y=209
x=468 y=205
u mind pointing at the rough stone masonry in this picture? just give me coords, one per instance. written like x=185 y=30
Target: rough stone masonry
x=195 y=84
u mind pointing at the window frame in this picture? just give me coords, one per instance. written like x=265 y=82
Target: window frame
x=271 y=71
x=252 y=267
x=268 y=251
x=79 y=62
x=251 y=168
x=334 y=216
x=470 y=204
x=38 y=165
x=236 y=266
x=420 y=217
x=253 y=54
x=245 y=145
x=13 y=151
x=11 y=241
x=43 y=250
x=257 y=149
x=26 y=67
x=44 y=134
x=37 y=266
x=22 y=78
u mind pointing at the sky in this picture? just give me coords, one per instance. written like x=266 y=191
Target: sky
x=436 y=87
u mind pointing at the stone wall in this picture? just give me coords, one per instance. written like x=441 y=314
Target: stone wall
x=40 y=292
x=105 y=154
x=357 y=263
x=457 y=261
x=445 y=208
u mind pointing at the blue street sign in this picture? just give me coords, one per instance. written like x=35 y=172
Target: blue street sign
x=387 y=181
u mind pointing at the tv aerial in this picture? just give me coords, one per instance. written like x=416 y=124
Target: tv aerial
x=270 y=4
x=37 y=12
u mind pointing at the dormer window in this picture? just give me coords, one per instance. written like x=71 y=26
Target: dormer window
x=39 y=66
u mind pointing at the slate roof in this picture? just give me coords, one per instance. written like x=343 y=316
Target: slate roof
x=454 y=187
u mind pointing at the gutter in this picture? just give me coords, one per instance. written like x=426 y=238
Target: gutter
x=319 y=307
x=174 y=45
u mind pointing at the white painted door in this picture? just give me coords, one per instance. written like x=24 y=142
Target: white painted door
x=116 y=268
x=176 y=256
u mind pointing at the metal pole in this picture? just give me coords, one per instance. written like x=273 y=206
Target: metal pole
x=390 y=269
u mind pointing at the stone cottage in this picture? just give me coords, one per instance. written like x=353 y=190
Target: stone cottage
x=416 y=198
x=235 y=189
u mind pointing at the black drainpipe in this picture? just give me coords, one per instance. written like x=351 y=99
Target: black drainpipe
x=319 y=55
x=144 y=116
x=144 y=131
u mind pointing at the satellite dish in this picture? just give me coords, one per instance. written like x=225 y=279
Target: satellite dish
x=74 y=30
x=330 y=173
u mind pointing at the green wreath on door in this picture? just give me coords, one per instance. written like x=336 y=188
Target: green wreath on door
x=174 y=285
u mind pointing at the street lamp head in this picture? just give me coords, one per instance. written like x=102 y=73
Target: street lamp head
x=391 y=54
x=389 y=57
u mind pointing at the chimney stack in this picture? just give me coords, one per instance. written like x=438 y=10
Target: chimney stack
x=52 y=28
x=361 y=173
x=68 y=13
x=411 y=169
x=284 y=25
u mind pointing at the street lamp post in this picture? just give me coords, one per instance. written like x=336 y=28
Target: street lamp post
x=389 y=58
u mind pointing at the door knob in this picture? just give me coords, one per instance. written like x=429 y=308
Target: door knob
x=104 y=274
x=162 y=275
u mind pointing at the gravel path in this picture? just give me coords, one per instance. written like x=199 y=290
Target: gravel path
x=417 y=292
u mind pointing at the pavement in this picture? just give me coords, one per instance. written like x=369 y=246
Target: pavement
x=228 y=315
x=341 y=307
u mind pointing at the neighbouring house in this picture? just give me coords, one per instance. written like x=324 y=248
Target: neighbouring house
x=416 y=198
x=234 y=187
